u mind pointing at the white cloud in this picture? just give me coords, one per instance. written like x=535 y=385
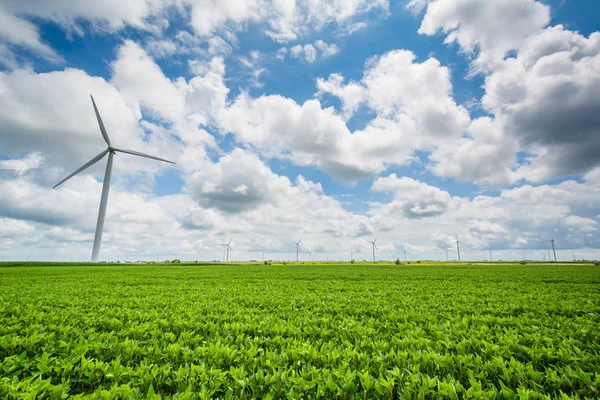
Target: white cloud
x=327 y=50
x=162 y=48
x=111 y=15
x=11 y=228
x=282 y=20
x=488 y=29
x=526 y=217
x=540 y=87
x=19 y=32
x=271 y=208
x=184 y=104
x=486 y=157
x=412 y=198
x=271 y=211
x=414 y=110
x=21 y=166
x=237 y=182
x=309 y=53
x=51 y=113
x=547 y=99
x=280 y=54
x=132 y=71
x=395 y=86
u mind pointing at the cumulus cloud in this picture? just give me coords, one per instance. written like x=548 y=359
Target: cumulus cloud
x=480 y=28
x=523 y=218
x=547 y=99
x=540 y=86
x=414 y=107
x=486 y=156
x=413 y=198
x=237 y=182
x=394 y=84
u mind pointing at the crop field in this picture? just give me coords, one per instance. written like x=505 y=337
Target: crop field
x=300 y=331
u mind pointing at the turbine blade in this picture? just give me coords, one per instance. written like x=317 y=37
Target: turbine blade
x=84 y=166
x=228 y=243
x=375 y=239
x=299 y=241
x=102 y=128
x=137 y=153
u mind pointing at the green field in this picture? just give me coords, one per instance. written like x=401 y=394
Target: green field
x=300 y=331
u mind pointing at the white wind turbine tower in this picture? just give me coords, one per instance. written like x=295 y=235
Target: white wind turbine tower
x=553 y=250
x=110 y=150
x=298 y=248
x=374 y=246
x=458 y=247
x=227 y=248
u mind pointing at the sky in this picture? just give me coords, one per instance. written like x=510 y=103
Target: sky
x=334 y=122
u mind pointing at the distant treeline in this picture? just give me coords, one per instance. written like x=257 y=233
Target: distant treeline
x=100 y=264
x=9 y=264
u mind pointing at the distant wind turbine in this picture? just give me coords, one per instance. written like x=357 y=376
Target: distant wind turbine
x=110 y=150
x=298 y=248
x=553 y=250
x=227 y=248
x=458 y=247
x=374 y=246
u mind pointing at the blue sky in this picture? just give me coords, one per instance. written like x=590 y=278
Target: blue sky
x=332 y=121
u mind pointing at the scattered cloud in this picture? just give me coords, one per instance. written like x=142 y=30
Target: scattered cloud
x=309 y=53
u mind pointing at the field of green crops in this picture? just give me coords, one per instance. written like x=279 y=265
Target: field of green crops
x=300 y=331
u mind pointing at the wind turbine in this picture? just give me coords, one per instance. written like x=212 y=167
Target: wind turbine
x=374 y=246
x=298 y=248
x=110 y=150
x=227 y=248
x=458 y=247
x=554 y=251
